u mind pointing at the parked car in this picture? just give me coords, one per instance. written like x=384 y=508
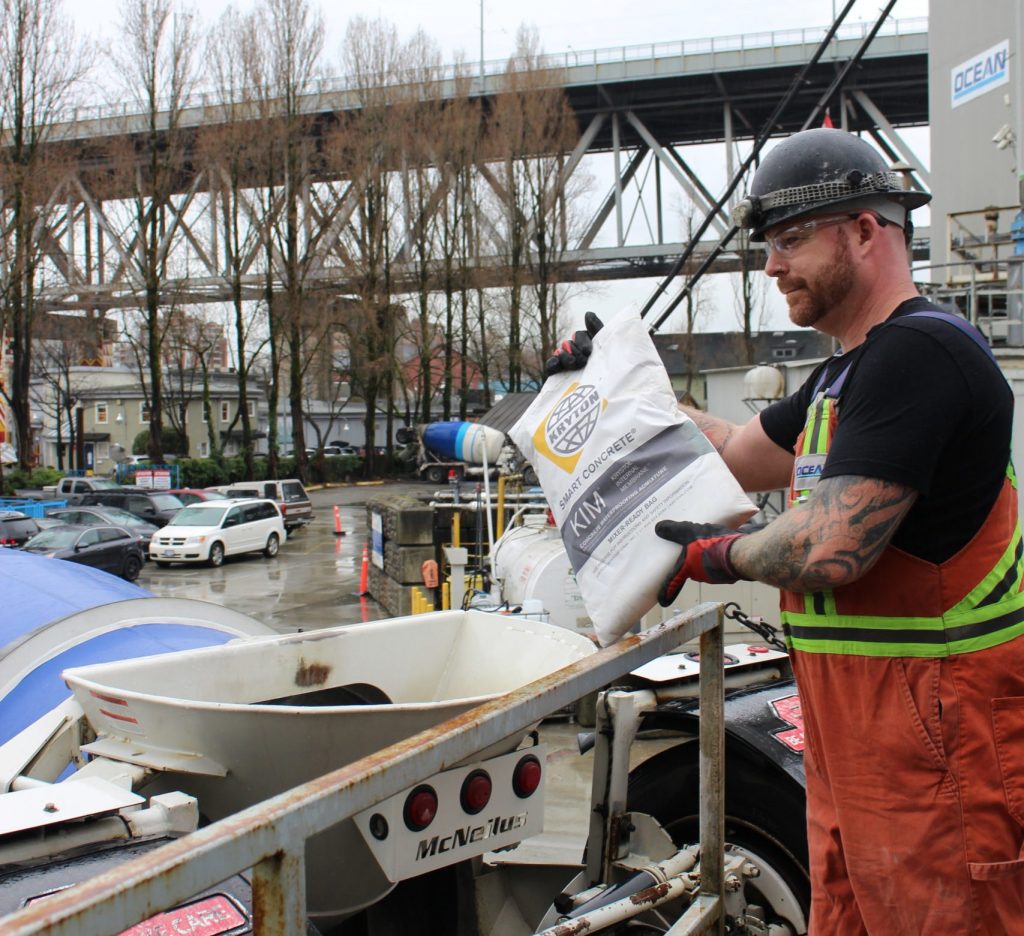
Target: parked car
x=16 y=529
x=73 y=490
x=110 y=548
x=103 y=515
x=194 y=495
x=331 y=450
x=210 y=530
x=289 y=495
x=154 y=507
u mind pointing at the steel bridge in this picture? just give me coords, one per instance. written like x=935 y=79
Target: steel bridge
x=641 y=111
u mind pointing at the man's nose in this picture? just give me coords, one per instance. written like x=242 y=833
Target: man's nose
x=774 y=265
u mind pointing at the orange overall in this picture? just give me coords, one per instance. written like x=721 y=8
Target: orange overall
x=912 y=689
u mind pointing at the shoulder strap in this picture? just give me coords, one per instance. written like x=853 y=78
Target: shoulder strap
x=959 y=322
x=835 y=387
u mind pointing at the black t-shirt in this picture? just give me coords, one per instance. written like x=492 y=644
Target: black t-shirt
x=921 y=405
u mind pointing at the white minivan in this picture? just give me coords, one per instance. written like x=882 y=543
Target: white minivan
x=210 y=530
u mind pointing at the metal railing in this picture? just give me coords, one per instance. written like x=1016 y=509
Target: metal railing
x=270 y=837
x=556 y=61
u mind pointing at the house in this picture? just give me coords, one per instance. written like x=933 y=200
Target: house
x=689 y=357
x=109 y=407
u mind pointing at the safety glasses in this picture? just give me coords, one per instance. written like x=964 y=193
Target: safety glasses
x=789 y=240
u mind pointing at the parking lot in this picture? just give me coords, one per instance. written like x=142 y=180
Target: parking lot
x=313 y=582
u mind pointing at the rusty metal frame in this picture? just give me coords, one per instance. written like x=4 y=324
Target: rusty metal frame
x=270 y=837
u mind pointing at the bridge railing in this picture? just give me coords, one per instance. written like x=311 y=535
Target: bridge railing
x=557 y=61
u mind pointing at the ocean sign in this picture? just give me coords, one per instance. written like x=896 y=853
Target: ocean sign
x=980 y=74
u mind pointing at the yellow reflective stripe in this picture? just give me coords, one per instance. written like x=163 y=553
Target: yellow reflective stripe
x=1011 y=474
x=854 y=634
x=925 y=622
x=994 y=578
x=896 y=649
x=830 y=602
x=821 y=443
x=811 y=428
x=864 y=622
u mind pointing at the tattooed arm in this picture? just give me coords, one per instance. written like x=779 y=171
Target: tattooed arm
x=832 y=539
x=755 y=460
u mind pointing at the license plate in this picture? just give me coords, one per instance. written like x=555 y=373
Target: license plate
x=169 y=552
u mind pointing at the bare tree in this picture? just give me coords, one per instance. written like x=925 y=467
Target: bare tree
x=157 y=70
x=749 y=290
x=230 y=152
x=531 y=127
x=422 y=182
x=41 y=63
x=366 y=149
x=282 y=68
x=57 y=351
x=460 y=129
x=696 y=302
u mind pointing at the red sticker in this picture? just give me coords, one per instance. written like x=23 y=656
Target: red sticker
x=206 y=917
x=788 y=710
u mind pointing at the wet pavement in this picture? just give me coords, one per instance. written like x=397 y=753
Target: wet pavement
x=313 y=582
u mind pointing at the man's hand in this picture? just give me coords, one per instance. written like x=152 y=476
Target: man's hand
x=572 y=353
x=705 y=556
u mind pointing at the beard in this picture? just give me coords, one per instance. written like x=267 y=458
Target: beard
x=810 y=300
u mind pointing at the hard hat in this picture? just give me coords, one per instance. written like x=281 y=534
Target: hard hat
x=819 y=171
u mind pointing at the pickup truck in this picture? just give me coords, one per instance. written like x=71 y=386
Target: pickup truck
x=73 y=489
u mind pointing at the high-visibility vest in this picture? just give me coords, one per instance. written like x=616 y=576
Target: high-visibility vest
x=905 y=606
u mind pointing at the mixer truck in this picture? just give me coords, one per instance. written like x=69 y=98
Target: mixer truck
x=171 y=762
x=468 y=449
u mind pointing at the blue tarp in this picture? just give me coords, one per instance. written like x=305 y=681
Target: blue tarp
x=35 y=591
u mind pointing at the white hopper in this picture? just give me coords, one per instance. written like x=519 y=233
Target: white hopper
x=205 y=718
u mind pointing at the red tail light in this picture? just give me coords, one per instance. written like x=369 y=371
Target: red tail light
x=476 y=792
x=526 y=777
x=420 y=808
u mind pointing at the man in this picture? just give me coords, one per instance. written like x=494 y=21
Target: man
x=899 y=561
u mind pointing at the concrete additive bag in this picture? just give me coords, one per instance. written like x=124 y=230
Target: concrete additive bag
x=614 y=455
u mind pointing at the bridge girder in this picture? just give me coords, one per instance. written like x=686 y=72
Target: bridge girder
x=638 y=121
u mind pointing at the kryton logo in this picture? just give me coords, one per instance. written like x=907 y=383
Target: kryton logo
x=561 y=436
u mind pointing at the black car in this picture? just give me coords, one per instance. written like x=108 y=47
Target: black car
x=154 y=507
x=110 y=548
x=16 y=529
x=102 y=515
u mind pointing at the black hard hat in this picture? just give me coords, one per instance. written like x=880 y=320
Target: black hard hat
x=817 y=170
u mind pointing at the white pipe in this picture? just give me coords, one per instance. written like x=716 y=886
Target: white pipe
x=490 y=522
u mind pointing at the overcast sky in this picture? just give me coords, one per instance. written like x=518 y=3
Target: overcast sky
x=562 y=24
x=568 y=25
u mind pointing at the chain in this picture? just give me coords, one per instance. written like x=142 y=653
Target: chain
x=758 y=625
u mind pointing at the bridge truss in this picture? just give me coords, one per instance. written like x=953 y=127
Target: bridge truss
x=659 y=128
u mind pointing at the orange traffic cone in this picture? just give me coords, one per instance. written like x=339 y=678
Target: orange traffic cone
x=364 y=577
x=338 y=531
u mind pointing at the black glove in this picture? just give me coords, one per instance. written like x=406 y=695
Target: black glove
x=572 y=353
x=705 y=556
